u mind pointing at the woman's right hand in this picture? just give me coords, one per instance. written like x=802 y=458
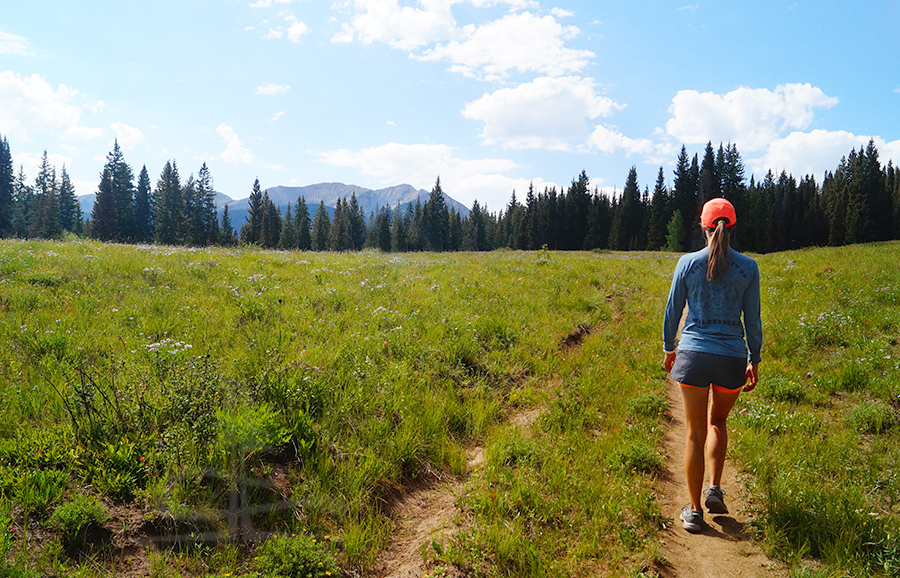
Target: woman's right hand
x=669 y=361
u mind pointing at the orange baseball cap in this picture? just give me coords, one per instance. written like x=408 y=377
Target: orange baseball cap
x=715 y=209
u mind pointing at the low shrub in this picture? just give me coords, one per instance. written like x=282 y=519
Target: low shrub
x=783 y=389
x=295 y=556
x=872 y=418
x=649 y=405
x=77 y=517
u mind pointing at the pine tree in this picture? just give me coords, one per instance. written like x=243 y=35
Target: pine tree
x=357 y=221
x=122 y=181
x=207 y=220
x=104 y=223
x=7 y=197
x=170 y=210
x=227 y=236
x=625 y=233
x=24 y=205
x=288 y=238
x=400 y=231
x=659 y=214
x=270 y=223
x=383 y=230
x=675 y=234
x=339 y=233
x=304 y=241
x=251 y=229
x=320 y=228
x=684 y=196
x=143 y=208
x=435 y=220
x=578 y=204
x=69 y=208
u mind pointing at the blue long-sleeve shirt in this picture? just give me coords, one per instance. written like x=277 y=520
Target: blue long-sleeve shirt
x=713 y=322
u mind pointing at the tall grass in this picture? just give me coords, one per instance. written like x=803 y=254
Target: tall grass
x=233 y=395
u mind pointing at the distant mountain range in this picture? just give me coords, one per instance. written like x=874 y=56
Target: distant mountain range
x=369 y=200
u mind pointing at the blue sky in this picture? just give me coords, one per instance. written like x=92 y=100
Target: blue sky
x=487 y=94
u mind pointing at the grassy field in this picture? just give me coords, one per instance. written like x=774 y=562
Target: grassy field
x=216 y=412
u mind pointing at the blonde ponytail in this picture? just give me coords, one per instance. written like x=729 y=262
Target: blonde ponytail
x=719 y=245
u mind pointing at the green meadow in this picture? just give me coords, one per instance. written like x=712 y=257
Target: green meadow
x=212 y=412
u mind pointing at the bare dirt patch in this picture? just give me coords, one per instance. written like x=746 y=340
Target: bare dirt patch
x=724 y=549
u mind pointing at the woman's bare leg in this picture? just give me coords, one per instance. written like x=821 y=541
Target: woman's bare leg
x=717 y=438
x=695 y=417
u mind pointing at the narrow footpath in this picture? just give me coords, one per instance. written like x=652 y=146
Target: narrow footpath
x=723 y=549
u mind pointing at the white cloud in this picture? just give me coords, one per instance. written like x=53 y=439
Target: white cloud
x=84 y=133
x=128 y=136
x=296 y=30
x=549 y=113
x=560 y=13
x=607 y=140
x=815 y=152
x=98 y=107
x=345 y=36
x=12 y=44
x=515 y=43
x=420 y=164
x=405 y=28
x=234 y=151
x=29 y=104
x=750 y=118
x=691 y=7
x=268 y=3
x=277 y=116
x=391 y=123
x=519 y=41
x=274 y=34
x=272 y=89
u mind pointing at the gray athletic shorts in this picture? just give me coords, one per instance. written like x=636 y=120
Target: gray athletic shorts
x=699 y=369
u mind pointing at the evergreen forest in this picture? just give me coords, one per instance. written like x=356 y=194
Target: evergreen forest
x=857 y=202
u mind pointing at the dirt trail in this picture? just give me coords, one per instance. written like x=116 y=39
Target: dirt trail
x=722 y=550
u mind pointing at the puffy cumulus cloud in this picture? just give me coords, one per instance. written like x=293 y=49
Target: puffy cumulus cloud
x=560 y=13
x=515 y=43
x=752 y=118
x=519 y=41
x=29 y=104
x=128 y=136
x=813 y=153
x=548 y=112
x=234 y=151
x=296 y=30
x=274 y=33
x=272 y=89
x=12 y=44
x=420 y=164
x=406 y=28
x=608 y=140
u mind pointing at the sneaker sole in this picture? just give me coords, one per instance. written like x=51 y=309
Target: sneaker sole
x=691 y=527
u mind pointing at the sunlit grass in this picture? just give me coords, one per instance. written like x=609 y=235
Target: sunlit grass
x=229 y=394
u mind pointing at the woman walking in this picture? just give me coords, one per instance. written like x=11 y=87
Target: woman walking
x=719 y=285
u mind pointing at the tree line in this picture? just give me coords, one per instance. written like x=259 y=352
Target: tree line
x=857 y=202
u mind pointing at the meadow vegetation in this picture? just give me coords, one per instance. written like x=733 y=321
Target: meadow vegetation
x=211 y=412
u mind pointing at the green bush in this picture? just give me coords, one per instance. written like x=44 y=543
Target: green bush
x=872 y=418
x=295 y=556
x=649 y=405
x=77 y=516
x=783 y=389
x=638 y=458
